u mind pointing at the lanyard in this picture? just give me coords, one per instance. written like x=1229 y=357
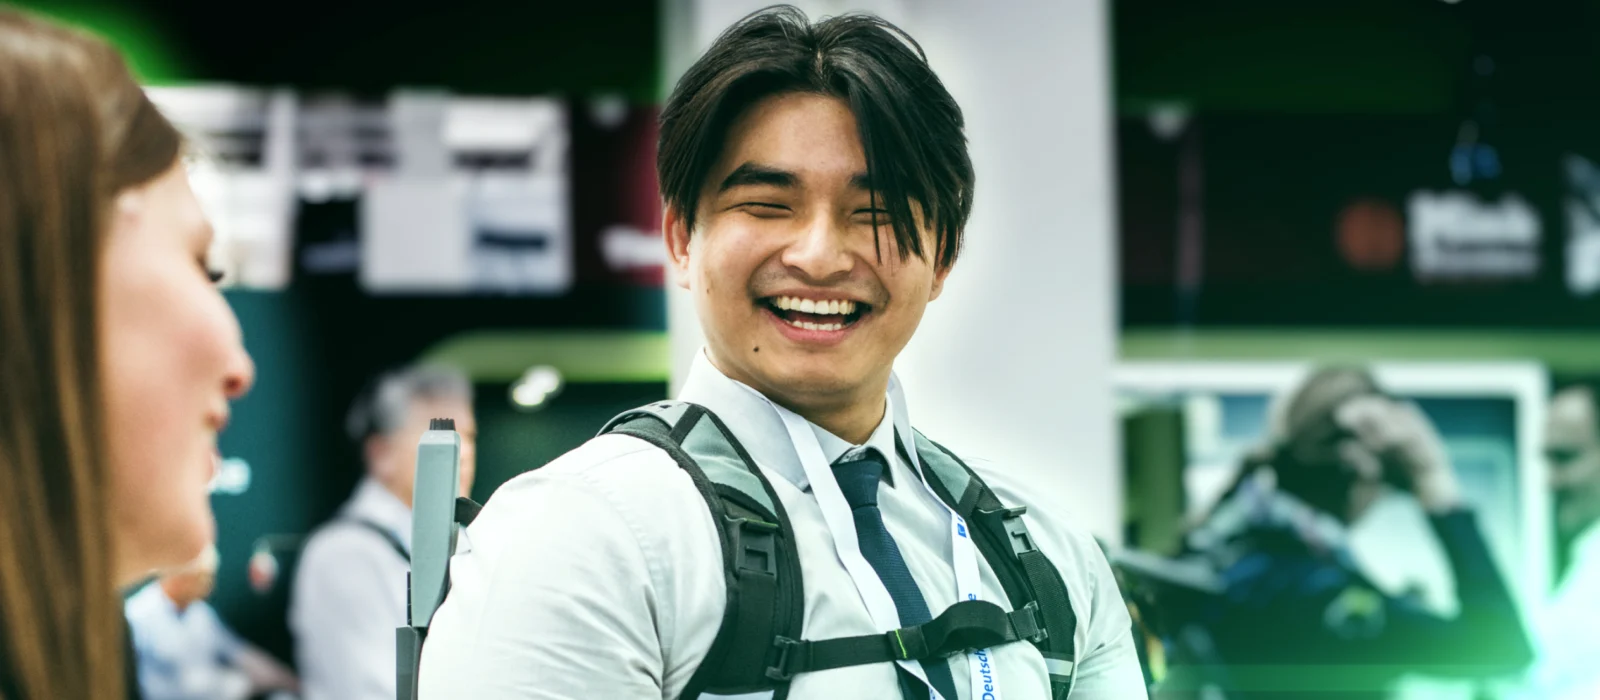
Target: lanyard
x=841 y=525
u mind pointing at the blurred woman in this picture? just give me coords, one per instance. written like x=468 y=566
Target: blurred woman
x=118 y=358
x=1297 y=616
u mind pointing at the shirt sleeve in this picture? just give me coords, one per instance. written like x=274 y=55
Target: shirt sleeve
x=583 y=581
x=1108 y=664
x=1486 y=638
x=343 y=620
x=228 y=645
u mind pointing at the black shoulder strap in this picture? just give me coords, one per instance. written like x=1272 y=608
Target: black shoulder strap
x=758 y=646
x=760 y=562
x=466 y=510
x=1028 y=577
x=381 y=531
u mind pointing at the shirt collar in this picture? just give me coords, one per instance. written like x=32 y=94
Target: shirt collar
x=372 y=502
x=762 y=432
x=881 y=439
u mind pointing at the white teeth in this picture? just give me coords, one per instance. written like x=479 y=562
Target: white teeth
x=832 y=307
x=817 y=326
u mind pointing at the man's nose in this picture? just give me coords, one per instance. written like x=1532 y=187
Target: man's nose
x=821 y=250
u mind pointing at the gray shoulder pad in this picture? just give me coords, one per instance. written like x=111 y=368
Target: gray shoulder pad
x=940 y=465
x=715 y=454
x=706 y=445
x=670 y=412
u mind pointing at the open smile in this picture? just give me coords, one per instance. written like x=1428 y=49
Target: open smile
x=804 y=319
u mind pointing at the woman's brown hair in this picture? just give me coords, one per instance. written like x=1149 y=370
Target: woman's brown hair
x=75 y=130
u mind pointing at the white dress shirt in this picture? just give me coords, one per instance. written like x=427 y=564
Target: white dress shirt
x=183 y=654
x=349 y=596
x=600 y=575
x=1564 y=630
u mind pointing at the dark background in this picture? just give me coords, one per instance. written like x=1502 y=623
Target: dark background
x=1299 y=109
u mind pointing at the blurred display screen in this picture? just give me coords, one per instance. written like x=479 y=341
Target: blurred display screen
x=1358 y=220
x=420 y=192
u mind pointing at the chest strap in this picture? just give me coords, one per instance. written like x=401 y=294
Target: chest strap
x=963 y=627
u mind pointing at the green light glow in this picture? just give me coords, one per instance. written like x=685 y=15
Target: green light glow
x=1561 y=351
x=150 y=56
x=580 y=356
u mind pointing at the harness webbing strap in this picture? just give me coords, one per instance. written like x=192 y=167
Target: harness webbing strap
x=967 y=625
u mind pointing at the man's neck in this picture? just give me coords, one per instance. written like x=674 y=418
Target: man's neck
x=852 y=416
x=403 y=494
x=853 y=422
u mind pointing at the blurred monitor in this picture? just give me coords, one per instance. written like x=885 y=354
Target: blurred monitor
x=1488 y=414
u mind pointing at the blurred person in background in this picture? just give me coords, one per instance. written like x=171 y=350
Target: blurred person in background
x=118 y=360
x=183 y=651
x=1566 y=628
x=349 y=592
x=1297 y=616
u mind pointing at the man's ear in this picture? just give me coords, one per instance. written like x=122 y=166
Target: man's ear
x=675 y=231
x=939 y=273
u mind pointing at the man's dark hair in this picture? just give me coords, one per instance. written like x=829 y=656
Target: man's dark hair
x=910 y=126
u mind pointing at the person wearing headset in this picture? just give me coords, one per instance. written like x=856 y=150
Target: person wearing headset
x=118 y=359
x=1298 y=616
x=817 y=182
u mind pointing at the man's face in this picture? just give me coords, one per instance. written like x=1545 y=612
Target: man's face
x=1572 y=448
x=394 y=456
x=802 y=297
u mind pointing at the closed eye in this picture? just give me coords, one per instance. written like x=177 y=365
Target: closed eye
x=762 y=209
x=212 y=274
x=874 y=217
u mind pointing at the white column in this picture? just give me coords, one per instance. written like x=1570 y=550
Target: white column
x=1014 y=362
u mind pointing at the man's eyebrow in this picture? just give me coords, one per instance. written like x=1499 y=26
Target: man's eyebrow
x=756 y=174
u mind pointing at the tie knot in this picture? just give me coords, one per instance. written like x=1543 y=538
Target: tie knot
x=858 y=475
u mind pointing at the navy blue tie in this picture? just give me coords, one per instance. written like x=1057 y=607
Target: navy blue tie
x=858 y=477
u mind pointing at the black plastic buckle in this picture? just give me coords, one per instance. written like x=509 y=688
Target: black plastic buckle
x=1027 y=624
x=755 y=545
x=1016 y=531
x=790 y=658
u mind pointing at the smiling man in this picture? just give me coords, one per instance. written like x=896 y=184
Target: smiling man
x=809 y=543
